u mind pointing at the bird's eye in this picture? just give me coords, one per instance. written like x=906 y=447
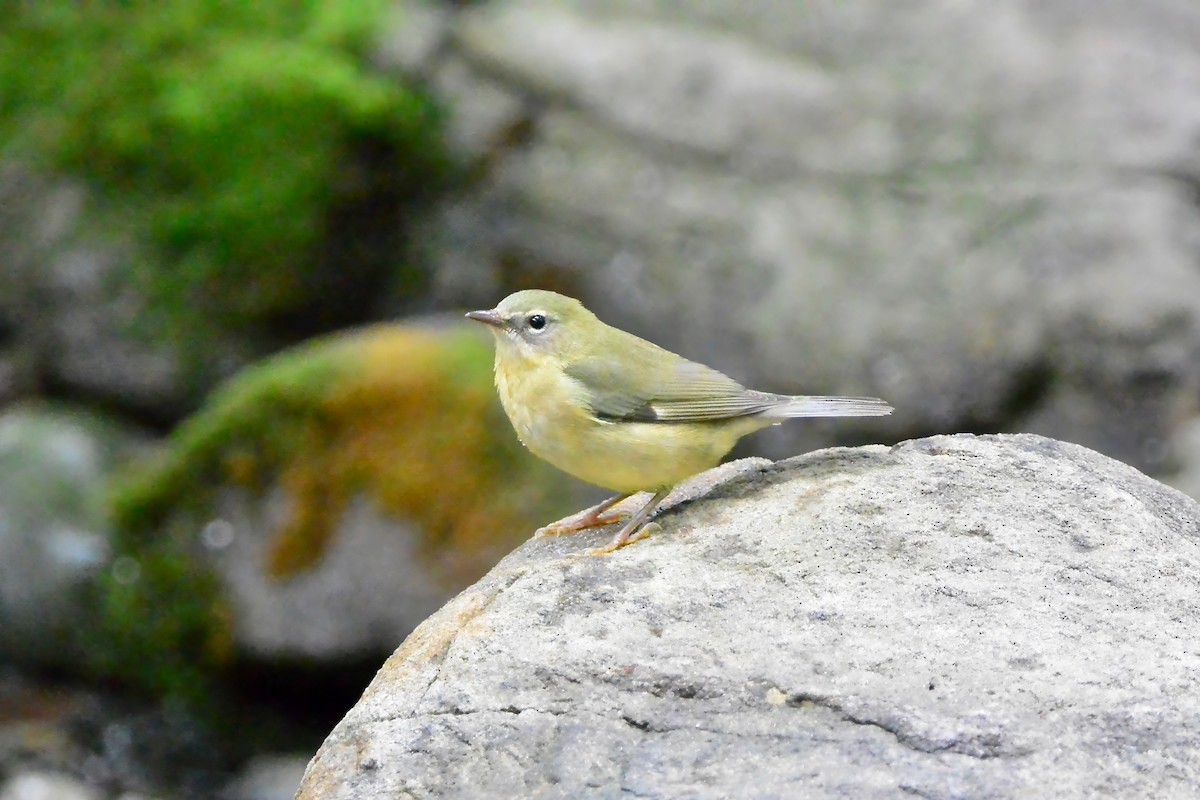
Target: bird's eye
x=537 y=321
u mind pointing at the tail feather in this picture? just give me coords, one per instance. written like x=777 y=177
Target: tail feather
x=830 y=407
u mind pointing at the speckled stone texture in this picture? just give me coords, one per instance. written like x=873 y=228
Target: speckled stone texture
x=957 y=616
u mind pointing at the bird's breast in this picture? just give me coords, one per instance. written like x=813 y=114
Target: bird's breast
x=542 y=405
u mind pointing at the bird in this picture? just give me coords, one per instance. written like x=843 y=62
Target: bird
x=620 y=412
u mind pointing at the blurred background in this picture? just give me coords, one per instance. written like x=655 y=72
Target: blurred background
x=246 y=441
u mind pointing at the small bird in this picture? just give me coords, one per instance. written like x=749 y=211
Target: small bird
x=617 y=411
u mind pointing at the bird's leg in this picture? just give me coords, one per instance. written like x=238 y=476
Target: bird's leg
x=594 y=518
x=635 y=528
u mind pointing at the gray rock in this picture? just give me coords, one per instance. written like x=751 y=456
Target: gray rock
x=374 y=583
x=47 y=786
x=1186 y=447
x=72 y=318
x=53 y=537
x=367 y=592
x=415 y=35
x=986 y=218
x=951 y=617
x=272 y=777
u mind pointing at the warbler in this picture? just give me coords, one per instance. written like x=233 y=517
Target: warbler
x=617 y=411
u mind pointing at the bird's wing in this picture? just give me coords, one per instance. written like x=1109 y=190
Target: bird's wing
x=649 y=384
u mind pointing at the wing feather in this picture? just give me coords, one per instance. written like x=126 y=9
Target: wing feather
x=649 y=384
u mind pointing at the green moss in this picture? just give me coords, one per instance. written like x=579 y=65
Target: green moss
x=162 y=626
x=162 y=622
x=249 y=426
x=231 y=138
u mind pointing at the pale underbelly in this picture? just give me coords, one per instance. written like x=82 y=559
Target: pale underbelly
x=631 y=456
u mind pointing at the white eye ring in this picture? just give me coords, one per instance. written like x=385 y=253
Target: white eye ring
x=537 y=322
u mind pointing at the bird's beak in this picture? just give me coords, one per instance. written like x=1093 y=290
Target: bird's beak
x=487 y=317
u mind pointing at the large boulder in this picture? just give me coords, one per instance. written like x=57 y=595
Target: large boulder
x=986 y=216
x=957 y=616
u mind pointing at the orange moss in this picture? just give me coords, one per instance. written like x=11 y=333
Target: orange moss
x=404 y=416
x=416 y=427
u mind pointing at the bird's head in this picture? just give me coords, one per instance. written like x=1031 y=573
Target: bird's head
x=536 y=324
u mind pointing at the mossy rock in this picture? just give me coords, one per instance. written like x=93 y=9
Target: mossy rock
x=268 y=170
x=402 y=417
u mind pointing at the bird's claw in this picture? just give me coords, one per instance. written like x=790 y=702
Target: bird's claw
x=622 y=539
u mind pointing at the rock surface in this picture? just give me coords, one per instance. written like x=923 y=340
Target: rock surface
x=368 y=591
x=53 y=538
x=271 y=777
x=47 y=786
x=989 y=218
x=72 y=322
x=955 y=616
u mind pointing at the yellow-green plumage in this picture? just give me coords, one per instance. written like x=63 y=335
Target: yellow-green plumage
x=617 y=411
x=552 y=417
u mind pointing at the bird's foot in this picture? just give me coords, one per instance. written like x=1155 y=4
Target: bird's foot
x=619 y=541
x=581 y=524
x=636 y=528
x=596 y=517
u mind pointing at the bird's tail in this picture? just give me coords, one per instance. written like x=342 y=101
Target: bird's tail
x=802 y=406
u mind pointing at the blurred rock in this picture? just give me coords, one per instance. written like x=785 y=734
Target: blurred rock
x=157 y=749
x=47 y=786
x=955 y=616
x=338 y=493
x=53 y=535
x=32 y=728
x=416 y=34
x=267 y=778
x=370 y=588
x=69 y=315
x=989 y=219
x=127 y=747
x=1186 y=449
